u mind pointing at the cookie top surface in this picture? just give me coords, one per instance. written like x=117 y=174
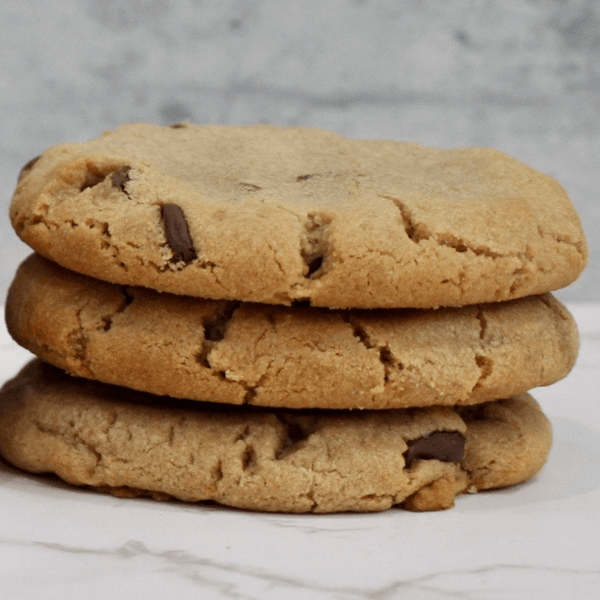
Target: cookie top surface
x=128 y=443
x=274 y=215
x=242 y=353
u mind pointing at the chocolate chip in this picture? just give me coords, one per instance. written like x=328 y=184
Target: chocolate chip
x=120 y=178
x=447 y=446
x=27 y=167
x=314 y=265
x=177 y=125
x=177 y=233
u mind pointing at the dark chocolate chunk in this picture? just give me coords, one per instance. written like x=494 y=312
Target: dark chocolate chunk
x=314 y=265
x=177 y=125
x=27 y=167
x=177 y=233
x=448 y=446
x=120 y=177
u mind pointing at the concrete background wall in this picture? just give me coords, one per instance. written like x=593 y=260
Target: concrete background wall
x=519 y=75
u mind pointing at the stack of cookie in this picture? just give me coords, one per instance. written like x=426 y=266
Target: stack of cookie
x=286 y=319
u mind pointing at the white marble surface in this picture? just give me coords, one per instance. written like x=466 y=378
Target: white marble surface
x=537 y=540
x=523 y=77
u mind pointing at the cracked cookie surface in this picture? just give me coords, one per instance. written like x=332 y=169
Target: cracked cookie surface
x=130 y=444
x=240 y=353
x=274 y=215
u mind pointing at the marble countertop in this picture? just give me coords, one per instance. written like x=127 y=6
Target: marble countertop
x=536 y=540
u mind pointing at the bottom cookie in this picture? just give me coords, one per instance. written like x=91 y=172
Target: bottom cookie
x=129 y=444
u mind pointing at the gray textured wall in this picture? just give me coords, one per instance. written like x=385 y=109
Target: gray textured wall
x=521 y=76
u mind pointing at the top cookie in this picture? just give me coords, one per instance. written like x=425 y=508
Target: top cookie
x=273 y=215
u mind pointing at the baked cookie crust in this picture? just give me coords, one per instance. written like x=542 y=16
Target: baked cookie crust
x=268 y=355
x=275 y=215
x=130 y=444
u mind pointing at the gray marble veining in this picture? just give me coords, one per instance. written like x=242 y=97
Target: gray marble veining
x=198 y=574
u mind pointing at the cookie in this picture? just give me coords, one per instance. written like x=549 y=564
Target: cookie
x=130 y=444
x=243 y=353
x=281 y=216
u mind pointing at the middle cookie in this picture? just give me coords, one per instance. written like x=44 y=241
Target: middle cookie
x=287 y=357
